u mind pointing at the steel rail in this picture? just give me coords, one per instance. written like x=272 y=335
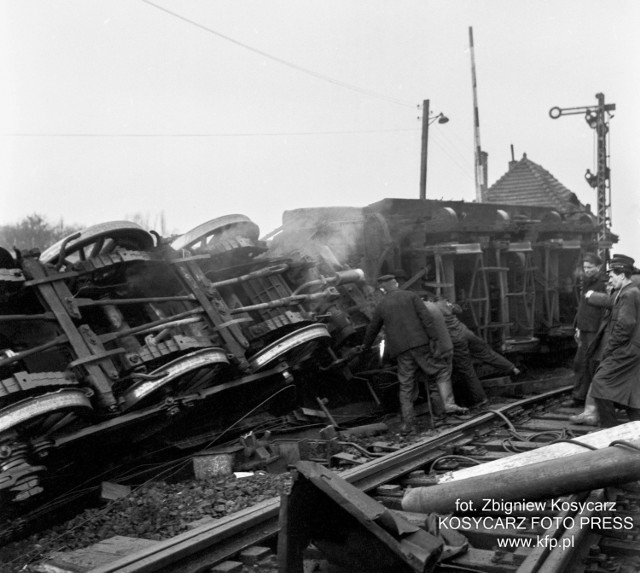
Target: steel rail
x=218 y=541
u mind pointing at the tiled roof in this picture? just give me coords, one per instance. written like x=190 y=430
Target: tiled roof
x=527 y=183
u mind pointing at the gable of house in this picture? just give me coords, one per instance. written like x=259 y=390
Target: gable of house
x=527 y=183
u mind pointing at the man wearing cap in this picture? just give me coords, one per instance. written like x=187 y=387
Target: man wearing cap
x=616 y=381
x=413 y=339
x=587 y=323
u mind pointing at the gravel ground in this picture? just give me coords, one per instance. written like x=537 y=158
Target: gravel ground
x=156 y=511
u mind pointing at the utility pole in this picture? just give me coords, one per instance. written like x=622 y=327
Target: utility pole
x=423 y=154
x=426 y=122
x=597 y=117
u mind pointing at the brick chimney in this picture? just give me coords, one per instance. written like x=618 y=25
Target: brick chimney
x=513 y=161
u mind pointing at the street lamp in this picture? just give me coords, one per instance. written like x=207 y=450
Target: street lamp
x=426 y=122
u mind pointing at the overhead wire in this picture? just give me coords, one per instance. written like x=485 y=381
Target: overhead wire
x=304 y=70
x=308 y=71
x=248 y=134
x=282 y=61
x=455 y=143
x=455 y=160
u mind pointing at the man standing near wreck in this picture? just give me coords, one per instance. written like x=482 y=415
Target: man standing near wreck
x=414 y=341
x=587 y=323
x=615 y=382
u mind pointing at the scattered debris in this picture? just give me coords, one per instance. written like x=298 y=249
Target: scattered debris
x=352 y=530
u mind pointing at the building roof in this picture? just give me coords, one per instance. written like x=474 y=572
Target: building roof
x=527 y=183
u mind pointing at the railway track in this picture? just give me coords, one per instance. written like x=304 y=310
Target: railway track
x=571 y=533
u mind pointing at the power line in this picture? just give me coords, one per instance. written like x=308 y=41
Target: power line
x=281 y=61
x=460 y=165
x=457 y=157
x=212 y=135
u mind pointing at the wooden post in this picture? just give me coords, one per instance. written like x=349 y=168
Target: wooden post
x=423 y=154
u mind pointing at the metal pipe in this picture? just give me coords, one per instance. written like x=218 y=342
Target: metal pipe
x=288 y=301
x=614 y=465
x=121 y=301
x=146 y=327
x=554 y=450
x=272 y=270
x=18 y=317
x=57 y=341
x=340 y=278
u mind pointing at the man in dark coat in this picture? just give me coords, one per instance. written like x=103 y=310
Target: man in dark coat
x=616 y=381
x=468 y=347
x=414 y=341
x=587 y=322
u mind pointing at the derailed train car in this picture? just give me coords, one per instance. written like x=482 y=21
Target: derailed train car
x=116 y=336
x=513 y=269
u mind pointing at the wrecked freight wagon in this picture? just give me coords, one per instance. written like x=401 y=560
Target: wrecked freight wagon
x=116 y=339
x=114 y=336
x=513 y=269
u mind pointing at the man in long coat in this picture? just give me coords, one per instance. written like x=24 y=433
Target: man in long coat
x=616 y=382
x=414 y=341
x=587 y=323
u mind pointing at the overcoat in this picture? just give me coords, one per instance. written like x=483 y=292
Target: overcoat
x=406 y=320
x=440 y=324
x=618 y=375
x=589 y=317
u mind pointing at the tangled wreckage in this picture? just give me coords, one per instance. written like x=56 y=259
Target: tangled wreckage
x=116 y=337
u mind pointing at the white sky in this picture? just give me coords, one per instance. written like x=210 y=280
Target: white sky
x=115 y=107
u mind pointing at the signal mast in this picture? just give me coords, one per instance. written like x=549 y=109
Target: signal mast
x=597 y=117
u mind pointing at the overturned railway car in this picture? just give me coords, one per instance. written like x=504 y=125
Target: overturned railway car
x=114 y=337
x=117 y=340
x=513 y=269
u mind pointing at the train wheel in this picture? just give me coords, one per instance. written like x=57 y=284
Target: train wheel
x=181 y=376
x=28 y=414
x=98 y=240
x=222 y=228
x=296 y=347
x=24 y=426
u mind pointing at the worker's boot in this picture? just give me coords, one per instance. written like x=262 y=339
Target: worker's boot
x=408 y=425
x=446 y=393
x=590 y=414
